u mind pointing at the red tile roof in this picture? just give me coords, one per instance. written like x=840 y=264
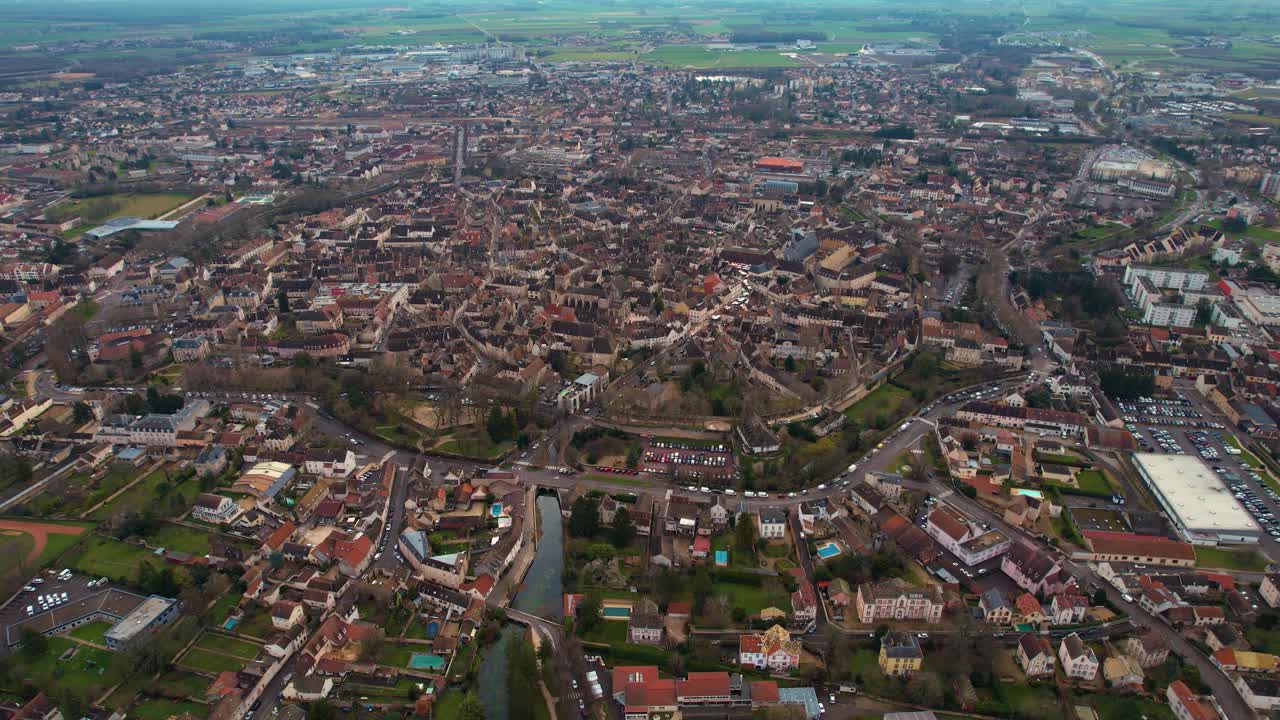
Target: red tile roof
x=764 y=691
x=704 y=684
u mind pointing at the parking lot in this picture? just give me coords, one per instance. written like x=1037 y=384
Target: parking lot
x=1199 y=431
x=47 y=585
x=690 y=461
x=1178 y=412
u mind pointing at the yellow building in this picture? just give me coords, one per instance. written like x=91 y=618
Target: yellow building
x=900 y=654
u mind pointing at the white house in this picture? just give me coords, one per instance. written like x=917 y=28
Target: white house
x=1078 y=659
x=772 y=523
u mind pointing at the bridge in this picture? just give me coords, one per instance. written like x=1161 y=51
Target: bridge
x=531 y=620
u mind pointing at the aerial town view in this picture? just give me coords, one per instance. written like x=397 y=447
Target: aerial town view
x=679 y=360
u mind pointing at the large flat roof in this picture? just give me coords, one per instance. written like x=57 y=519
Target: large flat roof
x=1195 y=493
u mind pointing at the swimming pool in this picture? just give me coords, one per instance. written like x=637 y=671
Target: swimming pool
x=421 y=661
x=616 y=612
x=496 y=510
x=1037 y=494
x=231 y=623
x=828 y=551
x=722 y=557
x=433 y=628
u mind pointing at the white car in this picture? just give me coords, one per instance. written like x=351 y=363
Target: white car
x=730 y=491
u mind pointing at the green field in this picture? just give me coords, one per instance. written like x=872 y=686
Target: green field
x=180 y=538
x=887 y=401
x=193 y=685
x=1246 y=560
x=198 y=659
x=1094 y=481
x=156 y=490
x=105 y=557
x=147 y=207
x=473 y=447
x=85 y=672
x=162 y=708
x=228 y=646
x=92 y=632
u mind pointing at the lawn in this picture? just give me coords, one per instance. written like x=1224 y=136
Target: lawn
x=256 y=624
x=197 y=659
x=1245 y=560
x=887 y=401
x=608 y=632
x=193 y=685
x=228 y=645
x=92 y=632
x=449 y=704
x=397 y=656
x=97 y=210
x=161 y=708
x=15 y=545
x=1116 y=707
x=105 y=557
x=751 y=598
x=617 y=479
x=155 y=490
x=473 y=447
x=83 y=673
x=1094 y=481
x=180 y=539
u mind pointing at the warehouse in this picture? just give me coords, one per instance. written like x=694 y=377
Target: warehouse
x=1199 y=505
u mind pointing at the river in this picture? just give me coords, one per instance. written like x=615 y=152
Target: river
x=542 y=595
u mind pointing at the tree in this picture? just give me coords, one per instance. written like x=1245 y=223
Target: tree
x=500 y=425
x=623 y=531
x=702 y=589
x=589 y=613
x=471 y=708
x=744 y=537
x=81 y=413
x=320 y=710
x=276 y=559
x=282 y=301
x=925 y=688
x=34 y=642
x=1204 y=312
x=584 y=517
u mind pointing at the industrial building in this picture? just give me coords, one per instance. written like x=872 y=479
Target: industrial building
x=1196 y=500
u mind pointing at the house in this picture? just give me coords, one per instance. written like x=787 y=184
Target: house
x=329 y=462
x=840 y=594
x=772 y=650
x=1261 y=693
x=1149 y=650
x=1035 y=655
x=354 y=556
x=1078 y=659
x=286 y=614
x=214 y=509
x=1028 y=609
x=645 y=625
x=895 y=599
x=1270 y=590
x=1186 y=705
x=804 y=604
x=1068 y=608
x=1035 y=571
x=1122 y=671
x=900 y=654
x=996 y=609
x=772 y=523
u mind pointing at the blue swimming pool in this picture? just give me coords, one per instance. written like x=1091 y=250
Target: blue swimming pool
x=722 y=557
x=828 y=551
x=616 y=612
x=433 y=628
x=426 y=662
x=496 y=510
x=231 y=623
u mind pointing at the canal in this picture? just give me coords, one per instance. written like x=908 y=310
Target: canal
x=540 y=595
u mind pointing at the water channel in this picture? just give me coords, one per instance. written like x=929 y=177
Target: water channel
x=541 y=595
